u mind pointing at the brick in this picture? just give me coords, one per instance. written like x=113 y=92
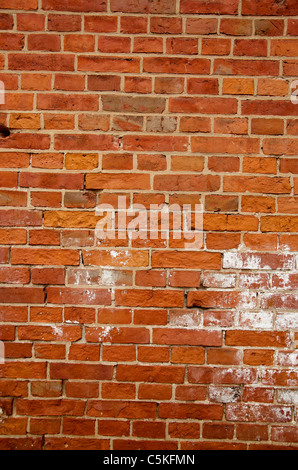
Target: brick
x=166 y=25
x=14 y=426
x=72 y=443
x=223 y=164
x=74 y=296
x=34 y=62
x=269 y=27
x=188 y=411
x=205 y=86
x=117 y=181
x=80 y=390
x=256 y=338
x=236 y=26
x=272 y=87
x=186 y=183
x=6 y=21
x=250 y=47
x=220 y=299
x=149 y=298
x=59 y=121
x=30 y=22
x=80 y=6
x=94 y=122
x=11 y=41
x=144 y=6
x=80 y=371
x=48 y=333
x=25 y=370
x=182 y=46
x=133 y=25
x=261 y=184
x=216 y=46
x=100 y=24
x=267 y=126
x=225 y=145
x=48 y=276
x=187 y=103
x=271 y=8
x=176 y=65
x=13 y=198
x=288 y=165
x=114 y=44
x=155 y=143
x=159 y=374
x=15 y=217
x=132 y=104
x=213 y=7
x=238 y=86
x=19 y=102
x=44 y=42
x=67 y=102
x=218 y=431
x=144 y=445
x=147 y=44
x=85 y=142
x=52 y=407
x=108 y=64
x=60 y=22
x=155 y=430
x=187 y=337
x=246 y=67
x=201 y=25
x=262 y=413
x=79 y=43
x=110 y=409
x=194 y=124
x=263 y=107
x=202 y=105
x=186 y=260
x=20 y=5
x=138 y=85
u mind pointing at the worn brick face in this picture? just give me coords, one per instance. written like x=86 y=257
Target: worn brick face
x=147 y=340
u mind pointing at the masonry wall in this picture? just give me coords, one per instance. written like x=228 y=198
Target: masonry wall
x=144 y=343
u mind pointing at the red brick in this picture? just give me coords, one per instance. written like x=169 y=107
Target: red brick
x=270 y=8
x=80 y=6
x=213 y=7
x=58 y=22
x=144 y=6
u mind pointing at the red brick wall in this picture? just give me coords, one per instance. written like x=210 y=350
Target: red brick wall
x=144 y=344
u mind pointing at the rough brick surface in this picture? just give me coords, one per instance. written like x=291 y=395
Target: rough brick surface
x=139 y=342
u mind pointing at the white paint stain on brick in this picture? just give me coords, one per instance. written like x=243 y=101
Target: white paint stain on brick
x=289 y=377
x=186 y=320
x=256 y=320
x=232 y=260
x=58 y=331
x=288 y=359
x=108 y=277
x=284 y=281
x=287 y=396
x=220 y=280
x=246 y=280
x=285 y=321
x=106 y=333
x=224 y=394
